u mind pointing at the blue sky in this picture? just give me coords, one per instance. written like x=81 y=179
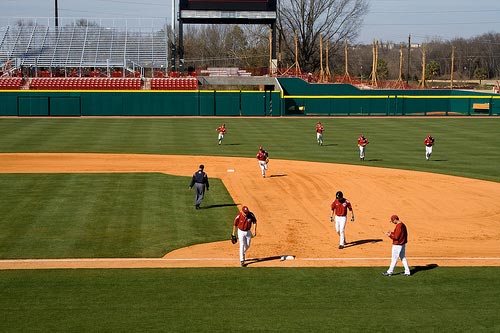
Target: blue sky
x=387 y=20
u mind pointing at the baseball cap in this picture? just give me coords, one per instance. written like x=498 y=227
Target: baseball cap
x=202 y=166
x=339 y=195
x=394 y=217
x=244 y=209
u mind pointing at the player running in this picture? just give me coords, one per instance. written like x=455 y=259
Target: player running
x=222 y=131
x=428 y=142
x=362 y=142
x=319 y=133
x=263 y=159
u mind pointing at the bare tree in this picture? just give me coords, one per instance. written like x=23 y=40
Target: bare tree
x=335 y=20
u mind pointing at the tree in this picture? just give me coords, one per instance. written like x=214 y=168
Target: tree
x=334 y=20
x=480 y=74
x=432 y=69
x=382 y=71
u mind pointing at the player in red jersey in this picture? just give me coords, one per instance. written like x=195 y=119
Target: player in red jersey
x=428 y=142
x=243 y=225
x=339 y=208
x=362 y=142
x=222 y=131
x=263 y=159
x=399 y=239
x=319 y=133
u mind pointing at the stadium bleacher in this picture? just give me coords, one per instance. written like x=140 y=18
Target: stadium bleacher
x=183 y=83
x=85 y=83
x=11 y=83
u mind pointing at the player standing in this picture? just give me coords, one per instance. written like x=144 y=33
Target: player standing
x=243 y=224
x=428 y=142
x=362 y=142
x=399 y=239
x=319 y=133
x=263 y=159
x=339 y=208
x=222 y=131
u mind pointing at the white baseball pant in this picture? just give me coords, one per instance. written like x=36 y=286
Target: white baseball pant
x=319 y=138
x=340 y=222
x=244 y=237
x=362 y=151
x=398 y=251
x=428 y=152
x=263 y=167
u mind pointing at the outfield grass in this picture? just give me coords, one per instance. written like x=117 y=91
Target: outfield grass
x=260 y=299
x=466 y=147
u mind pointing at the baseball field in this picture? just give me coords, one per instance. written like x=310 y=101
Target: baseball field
x=99 y=230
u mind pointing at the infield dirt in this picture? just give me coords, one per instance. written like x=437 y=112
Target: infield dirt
x=452 y=221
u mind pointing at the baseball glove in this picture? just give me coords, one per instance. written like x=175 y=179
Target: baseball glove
x=234 y=239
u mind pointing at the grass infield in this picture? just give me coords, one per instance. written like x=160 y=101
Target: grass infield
x=106 y=215
x=141 y=214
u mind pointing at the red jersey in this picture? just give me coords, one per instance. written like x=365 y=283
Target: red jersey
x=362 y=141
x=340 y=208
x=244 y=222
x=221 y=129
x=429 y=141
x=261 y=156
x=400 y=235
x=320 y=129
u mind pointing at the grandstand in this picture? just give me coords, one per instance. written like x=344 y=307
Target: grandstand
x=78 y=47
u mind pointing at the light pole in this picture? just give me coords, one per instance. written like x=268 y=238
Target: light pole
x=56 y=14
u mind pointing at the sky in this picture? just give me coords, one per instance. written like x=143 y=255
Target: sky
x=386 y=20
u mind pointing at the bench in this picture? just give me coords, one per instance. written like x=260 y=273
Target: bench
x=481 y=107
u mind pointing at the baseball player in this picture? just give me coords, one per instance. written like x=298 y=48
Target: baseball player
x=399 y=239
x=200 y=183
x=222 y=131
x=319 y=133
x=263 y=159
x=339 y=208
x=428 y=142
x=362 y=142
x=243 y=224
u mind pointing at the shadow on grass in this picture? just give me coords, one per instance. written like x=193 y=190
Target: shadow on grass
x=362 y=241
x=330 y=144
x=219 y=205
x=427 y=267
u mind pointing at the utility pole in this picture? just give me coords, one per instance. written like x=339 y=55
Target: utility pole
x=56 y=15
x=408 y=65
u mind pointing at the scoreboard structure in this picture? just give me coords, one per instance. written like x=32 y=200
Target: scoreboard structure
x=227 y=12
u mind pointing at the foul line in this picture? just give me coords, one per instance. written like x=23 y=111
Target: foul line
x=221 y=259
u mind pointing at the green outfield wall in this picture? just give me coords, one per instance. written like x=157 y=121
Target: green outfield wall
x=296 y=98
x=302 y=98
x=139 y=103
